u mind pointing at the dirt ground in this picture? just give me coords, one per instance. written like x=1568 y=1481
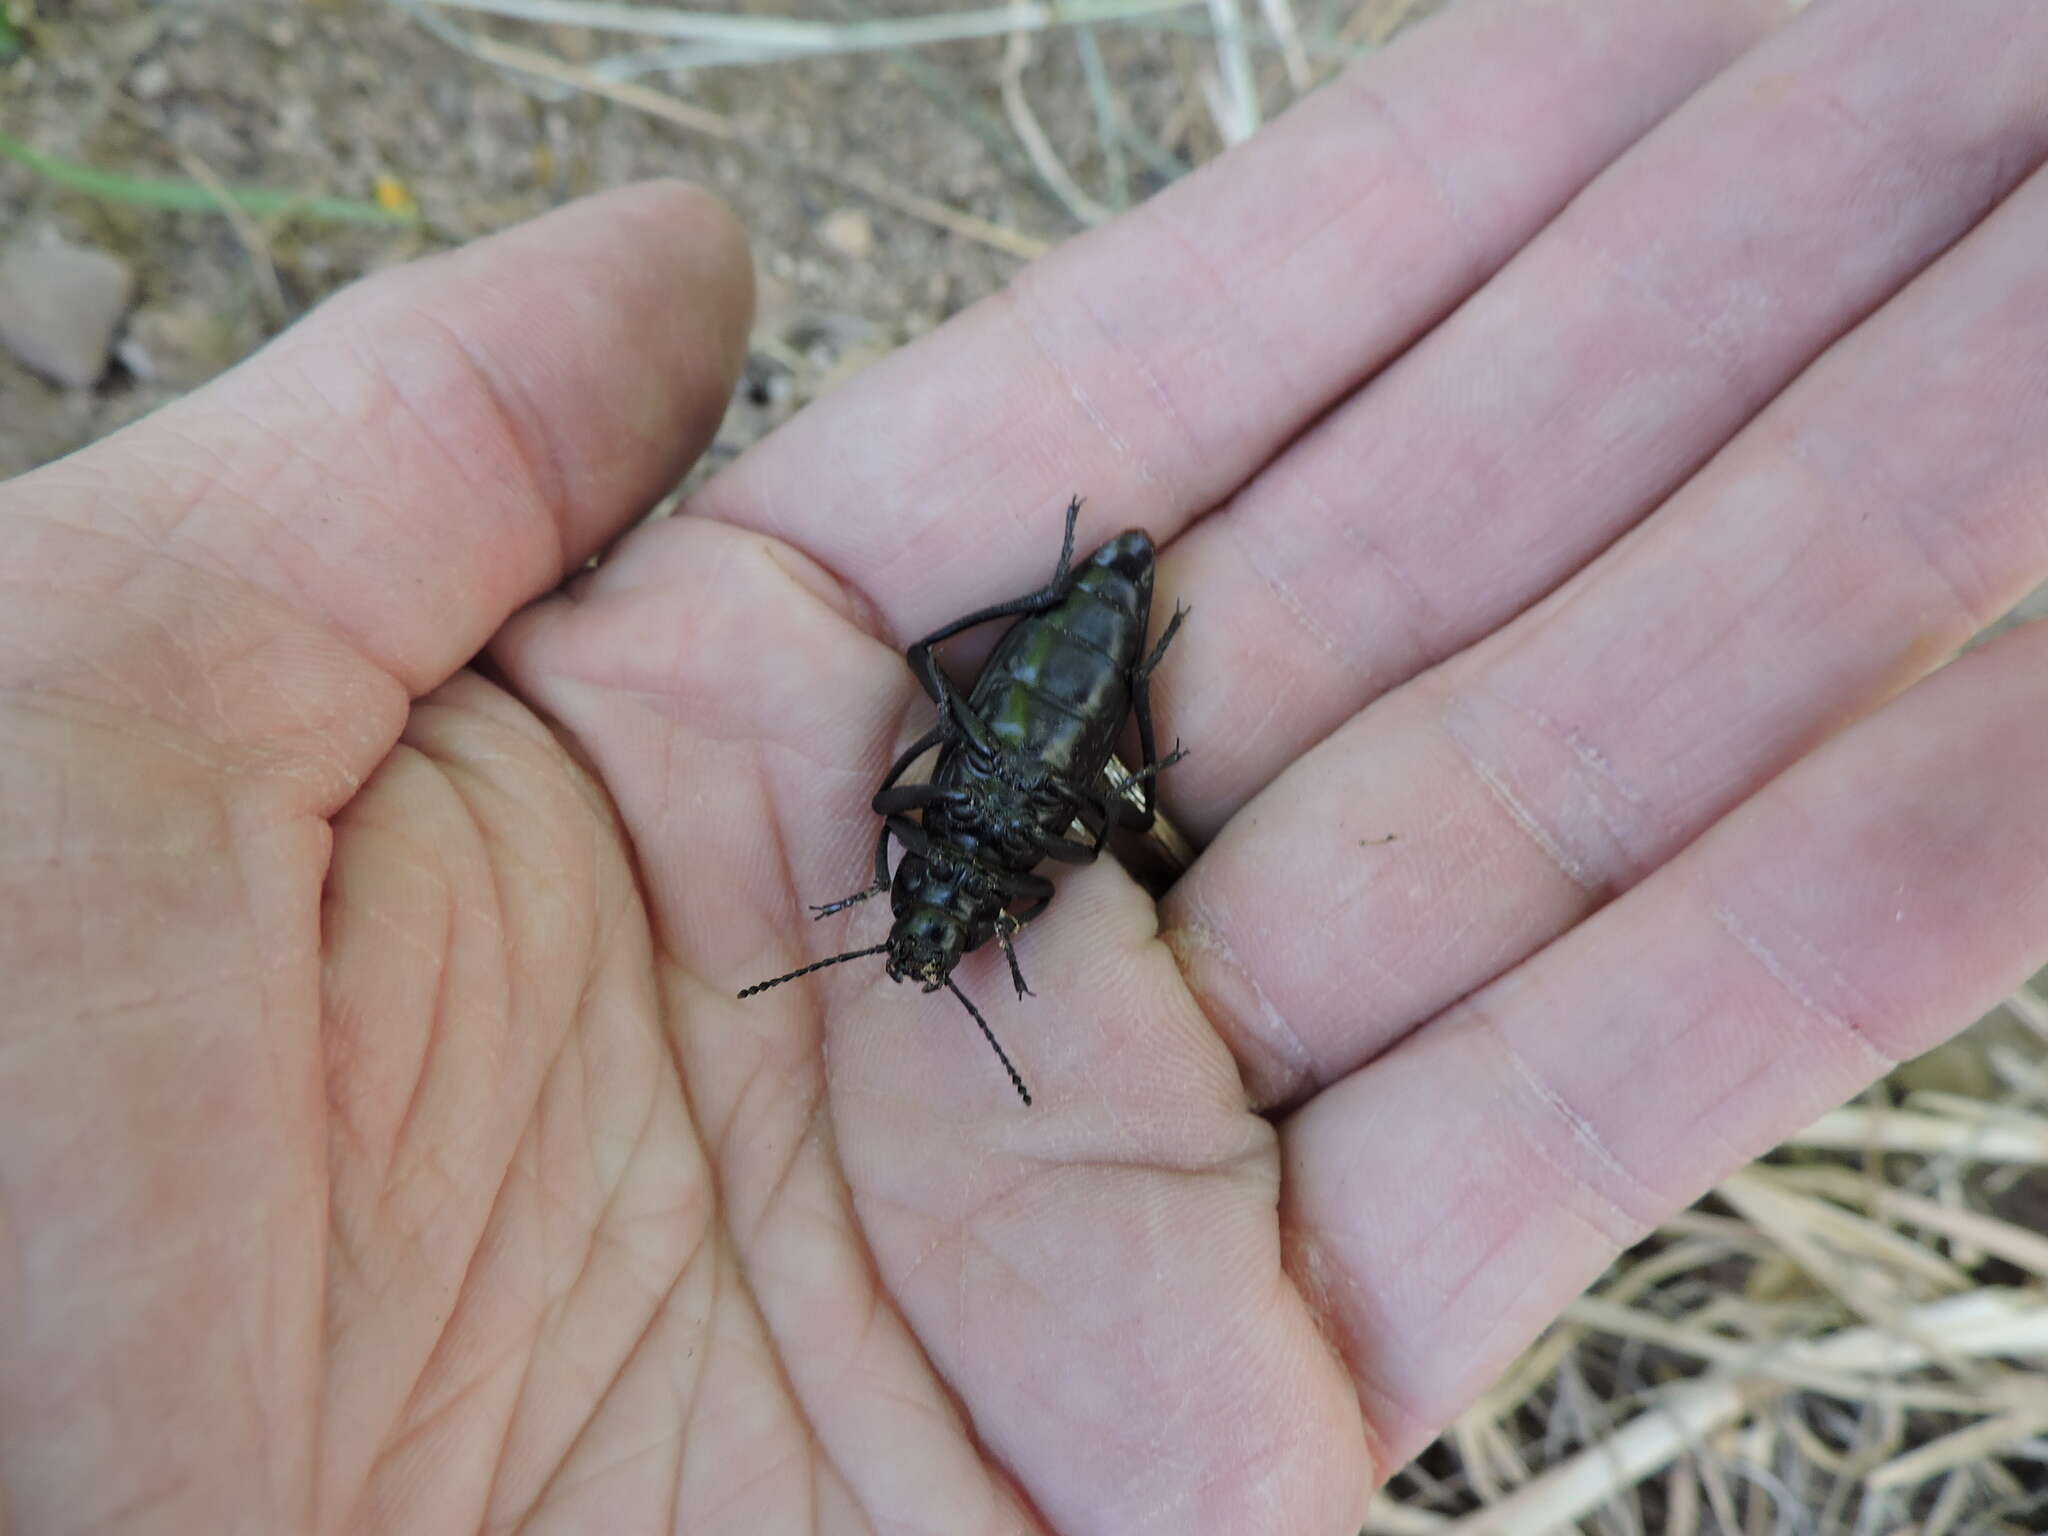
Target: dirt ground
x=335 y=97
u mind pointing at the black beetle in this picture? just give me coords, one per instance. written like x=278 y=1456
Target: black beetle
x=1021 y=762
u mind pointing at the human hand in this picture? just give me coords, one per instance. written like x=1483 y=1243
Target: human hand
x=380 y=1142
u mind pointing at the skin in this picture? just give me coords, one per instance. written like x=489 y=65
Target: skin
x=381 y=1145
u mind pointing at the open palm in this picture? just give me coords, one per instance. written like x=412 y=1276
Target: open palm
x=1568 y=490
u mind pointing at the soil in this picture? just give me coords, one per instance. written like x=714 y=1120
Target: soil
x=339 y=97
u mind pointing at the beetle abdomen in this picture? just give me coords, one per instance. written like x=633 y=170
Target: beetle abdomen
x=1058 y=684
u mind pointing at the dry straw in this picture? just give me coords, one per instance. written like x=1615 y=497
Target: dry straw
x=642 y=42
x=1845 y=1337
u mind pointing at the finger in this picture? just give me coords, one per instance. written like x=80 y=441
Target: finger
x=1856 y=534
x=1863 y=907
x=1588 y=379
x=1155 y=364
x=433 y=448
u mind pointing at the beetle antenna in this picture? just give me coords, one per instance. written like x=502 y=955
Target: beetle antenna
x=990 y=1036
x=816 y=965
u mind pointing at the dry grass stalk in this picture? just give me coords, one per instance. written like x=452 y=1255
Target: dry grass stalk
x=780 y=37
x=1981 y=1324
x=1855 y=1370
x=641 y=98
x=1024 y=122
x=1972 y=1132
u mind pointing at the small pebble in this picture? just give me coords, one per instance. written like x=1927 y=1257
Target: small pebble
x=59 y=304
x=151 y=81
x=849 y=232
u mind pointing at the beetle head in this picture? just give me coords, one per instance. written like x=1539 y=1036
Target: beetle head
x=925 y=945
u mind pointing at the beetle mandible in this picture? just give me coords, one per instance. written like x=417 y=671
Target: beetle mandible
x=1021 y=762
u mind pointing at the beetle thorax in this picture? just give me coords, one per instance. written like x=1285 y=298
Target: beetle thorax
x=1006 y=814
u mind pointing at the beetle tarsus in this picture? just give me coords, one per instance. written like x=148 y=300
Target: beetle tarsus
x=849 y=901
x=1006 y=929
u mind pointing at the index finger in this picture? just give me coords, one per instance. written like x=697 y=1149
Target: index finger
x=1154 y=365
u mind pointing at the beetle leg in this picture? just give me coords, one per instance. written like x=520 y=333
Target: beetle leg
x=1038 y=890
x=1119 y=794
x=913 y=797
x=1067 y=850
x=910 y=755
x=1094 y=812
x=1006 y=926
x=848 y=901
x=1141 y=813
x=1059 y=575
x=954 y=707
x=1034 y=888
x=913 y=752
x=881 y=881
x=1141 y=706
x=1158 y=654
x=920 y=656
x=908 y=833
